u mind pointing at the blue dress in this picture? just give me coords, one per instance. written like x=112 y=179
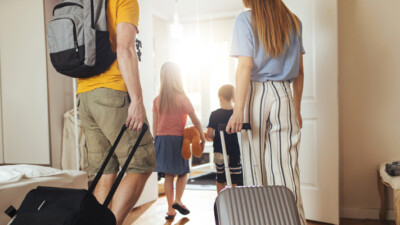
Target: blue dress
x=169 y=155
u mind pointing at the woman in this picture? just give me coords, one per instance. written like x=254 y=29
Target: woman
x=268 y=44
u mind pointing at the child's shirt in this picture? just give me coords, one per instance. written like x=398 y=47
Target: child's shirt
x=222 y=116
x=173 y=123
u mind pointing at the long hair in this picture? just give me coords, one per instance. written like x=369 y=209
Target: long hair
x=273 y=23
x=171 y=85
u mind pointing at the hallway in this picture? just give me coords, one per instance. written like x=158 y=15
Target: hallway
x=201 y=204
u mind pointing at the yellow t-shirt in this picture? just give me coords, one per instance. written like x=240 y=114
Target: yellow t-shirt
x=118 y=11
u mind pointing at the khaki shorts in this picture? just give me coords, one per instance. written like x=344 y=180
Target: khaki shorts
x=103 y=111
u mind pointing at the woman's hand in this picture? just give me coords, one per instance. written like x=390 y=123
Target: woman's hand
x=298 y=92
x=300 y=120
x=243 y=74
x=235 y=123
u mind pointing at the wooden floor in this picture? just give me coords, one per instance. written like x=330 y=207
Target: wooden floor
x=201 y=204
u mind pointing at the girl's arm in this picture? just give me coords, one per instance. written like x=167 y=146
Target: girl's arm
x=155 y=122
x=298 y=91
x=197 y=124
x=243 y=74
x=210 y=133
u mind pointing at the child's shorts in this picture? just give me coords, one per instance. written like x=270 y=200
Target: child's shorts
x=234 y=166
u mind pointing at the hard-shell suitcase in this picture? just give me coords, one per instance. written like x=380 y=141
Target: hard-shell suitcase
x=56 y=206
x=272 y=205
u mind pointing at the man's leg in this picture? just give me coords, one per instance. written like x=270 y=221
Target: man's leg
x=104 y=186
x=110 y=110
x=127 y=194
x=98 y=145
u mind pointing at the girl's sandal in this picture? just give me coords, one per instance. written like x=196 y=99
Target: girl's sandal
x=170 y=217
x=181 y=209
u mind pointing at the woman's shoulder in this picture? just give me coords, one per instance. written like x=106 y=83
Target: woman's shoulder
x=244 y=16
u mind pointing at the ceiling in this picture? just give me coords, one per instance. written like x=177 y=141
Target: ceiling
x=188 y=9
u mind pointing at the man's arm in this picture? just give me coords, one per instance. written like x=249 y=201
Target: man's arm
x=128 y=65
x=298 y=91
x=155 y=122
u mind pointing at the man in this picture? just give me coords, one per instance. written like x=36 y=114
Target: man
x=109 y=100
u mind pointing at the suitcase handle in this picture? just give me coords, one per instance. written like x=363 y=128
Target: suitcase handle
x=110 y=154
x=221 y=129
x=222 y=126
x=122 y=172
x=256 y=164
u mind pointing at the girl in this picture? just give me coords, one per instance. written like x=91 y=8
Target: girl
x=267 y=40
x=170 y=110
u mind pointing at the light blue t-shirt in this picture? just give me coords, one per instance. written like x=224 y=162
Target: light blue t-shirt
x=283 y=68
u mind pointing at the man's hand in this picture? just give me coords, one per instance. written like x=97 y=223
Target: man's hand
x=136 y=115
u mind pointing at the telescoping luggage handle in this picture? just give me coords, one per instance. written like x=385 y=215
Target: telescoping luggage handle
x=122 y=172
x=256 y=165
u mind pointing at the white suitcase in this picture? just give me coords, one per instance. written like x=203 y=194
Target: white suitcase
x=272 y=205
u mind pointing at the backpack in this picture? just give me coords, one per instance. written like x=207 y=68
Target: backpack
x=78 y=38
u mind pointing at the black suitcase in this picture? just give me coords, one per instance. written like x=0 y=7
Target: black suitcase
x=60 y=206
x=257 y=205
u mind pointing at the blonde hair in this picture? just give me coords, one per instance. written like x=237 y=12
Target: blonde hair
x=227 y=92
x=171 y=85
x=273 y=23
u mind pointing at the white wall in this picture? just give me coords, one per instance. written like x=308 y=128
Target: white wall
x=369 y=81
x=146 y=70
x=24 y=82
x=1 y=123
x=146 y=67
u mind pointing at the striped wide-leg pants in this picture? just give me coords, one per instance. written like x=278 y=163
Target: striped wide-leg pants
x=276 y=138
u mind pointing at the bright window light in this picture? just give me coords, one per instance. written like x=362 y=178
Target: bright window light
x=206 y=66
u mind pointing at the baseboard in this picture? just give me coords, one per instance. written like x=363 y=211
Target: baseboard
x=356 y=213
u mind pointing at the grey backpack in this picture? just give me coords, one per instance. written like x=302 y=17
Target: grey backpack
x=78 y=38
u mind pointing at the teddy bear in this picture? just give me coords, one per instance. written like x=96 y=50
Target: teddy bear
x=191 y=135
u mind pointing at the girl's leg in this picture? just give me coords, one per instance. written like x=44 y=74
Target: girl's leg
x=283 y=141
x=180 y=188
x=169 y=192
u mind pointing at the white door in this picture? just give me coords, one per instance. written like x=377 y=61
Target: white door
x=1 y=123
x=319 y=150
x=24 y=82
